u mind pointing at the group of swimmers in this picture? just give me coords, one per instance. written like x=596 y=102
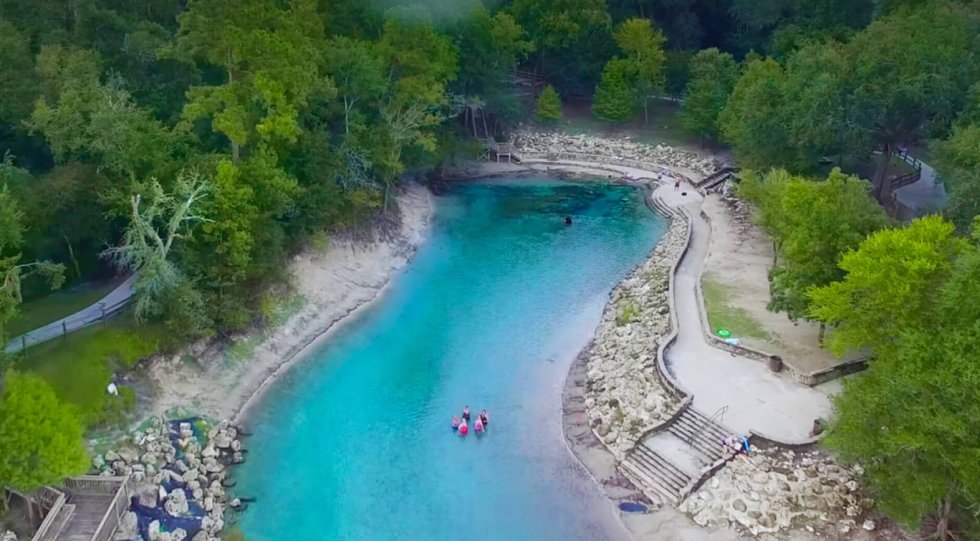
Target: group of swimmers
x=462 y=425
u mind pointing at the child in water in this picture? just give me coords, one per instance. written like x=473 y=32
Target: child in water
x=455 y=423
x=478 y=426
x=463 y=429
x=466 y=413
x=484 y=418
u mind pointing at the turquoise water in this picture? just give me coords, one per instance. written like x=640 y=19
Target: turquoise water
x=355 y=444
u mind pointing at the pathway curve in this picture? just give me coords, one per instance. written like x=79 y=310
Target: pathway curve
x=924 y=195
x=113 y=302
x=757 y=400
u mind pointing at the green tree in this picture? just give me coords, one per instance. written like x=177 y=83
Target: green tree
x=615 y=99
x=712 y=77
x=753 y=120
x=910 y=419
x=910 y=72
x=40 y=438
x=359 y=73
x=17 y=71
x=548 y=105
x=891 y=284
x=958 y=162
x=153 y=229
x=269 y=56
x=813 y=223
x=644 y=48
x=12 y=270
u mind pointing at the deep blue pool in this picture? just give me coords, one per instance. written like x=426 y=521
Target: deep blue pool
x=355 y=444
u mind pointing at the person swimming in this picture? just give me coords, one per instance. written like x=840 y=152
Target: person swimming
x=478 y=426
x=568 y=220
x=455 y=423
x=484 y=418
x=463 y=429
x=466 y=413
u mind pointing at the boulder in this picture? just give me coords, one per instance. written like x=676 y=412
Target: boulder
x=111 y=456
x=128 y=527
x=222 y=440
x=128 y=454
x=8 y=535
x=869 y=525
x=153 y=530
x=176 y=503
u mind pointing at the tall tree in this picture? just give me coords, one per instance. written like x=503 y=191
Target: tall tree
x=813 y=223
x=269 y=54
x=910 y=72
x=713 y=75
x=644 y=48
x=890 y=287
x=910 y=419
x=615 y=99
x=958 y=161
x=41 y=437
x=753 y=120
x=155 y=224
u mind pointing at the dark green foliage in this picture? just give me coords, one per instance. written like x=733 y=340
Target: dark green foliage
x=712 y=76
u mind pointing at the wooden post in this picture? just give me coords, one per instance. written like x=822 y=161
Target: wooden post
x=64 y=329
x=102 y=306
x=23 y=341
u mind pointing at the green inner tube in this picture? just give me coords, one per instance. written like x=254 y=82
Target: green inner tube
x=724 y=333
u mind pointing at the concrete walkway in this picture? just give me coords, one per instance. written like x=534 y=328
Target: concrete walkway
x=756 y=398
x=113 y=302
x=926 y=194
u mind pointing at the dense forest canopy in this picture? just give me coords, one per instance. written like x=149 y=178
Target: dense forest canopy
x=201 y=142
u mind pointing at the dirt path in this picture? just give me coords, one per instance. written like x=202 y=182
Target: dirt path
x=736 y=275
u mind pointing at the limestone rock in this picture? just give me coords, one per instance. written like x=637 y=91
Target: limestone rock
x=176 y=503
x=869 y=525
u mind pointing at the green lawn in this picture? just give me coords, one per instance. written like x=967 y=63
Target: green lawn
x=723 y=315
x=80 y=366
x=43 y=310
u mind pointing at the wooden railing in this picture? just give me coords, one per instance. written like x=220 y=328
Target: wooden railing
x=95 y=484
x=54 y=500
x=117 y=508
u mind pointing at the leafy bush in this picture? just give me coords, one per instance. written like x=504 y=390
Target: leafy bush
x=628 y=313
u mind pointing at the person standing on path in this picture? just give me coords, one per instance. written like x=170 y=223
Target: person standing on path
x=677 y=184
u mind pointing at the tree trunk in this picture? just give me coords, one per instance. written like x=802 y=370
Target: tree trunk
x=71 y=255
x=346 y=116
x=646 y=110
x=881 y=182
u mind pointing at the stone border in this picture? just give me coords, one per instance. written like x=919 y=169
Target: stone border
x=810 y=379
x=756 y=437
x=664 y=372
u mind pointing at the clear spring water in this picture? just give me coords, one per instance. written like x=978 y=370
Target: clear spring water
x=355 y=442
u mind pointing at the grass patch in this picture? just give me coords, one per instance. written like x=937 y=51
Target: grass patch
x=43 y=310
x=80 y=366
x=722 y=315
x=628 y=313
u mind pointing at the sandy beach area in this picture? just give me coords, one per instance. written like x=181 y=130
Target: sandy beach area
x=334 y=283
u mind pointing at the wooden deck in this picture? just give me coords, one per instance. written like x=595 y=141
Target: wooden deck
x=89 y=511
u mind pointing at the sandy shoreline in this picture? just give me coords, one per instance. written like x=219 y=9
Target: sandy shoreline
x=336 y=283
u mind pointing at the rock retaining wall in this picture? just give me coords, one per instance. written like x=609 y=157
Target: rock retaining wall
x=527 y=141
x=625 y=397
x=171 y=468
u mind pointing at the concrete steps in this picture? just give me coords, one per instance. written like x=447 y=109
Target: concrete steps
x=657 y=474
x=671 y=462
x=700 y=433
